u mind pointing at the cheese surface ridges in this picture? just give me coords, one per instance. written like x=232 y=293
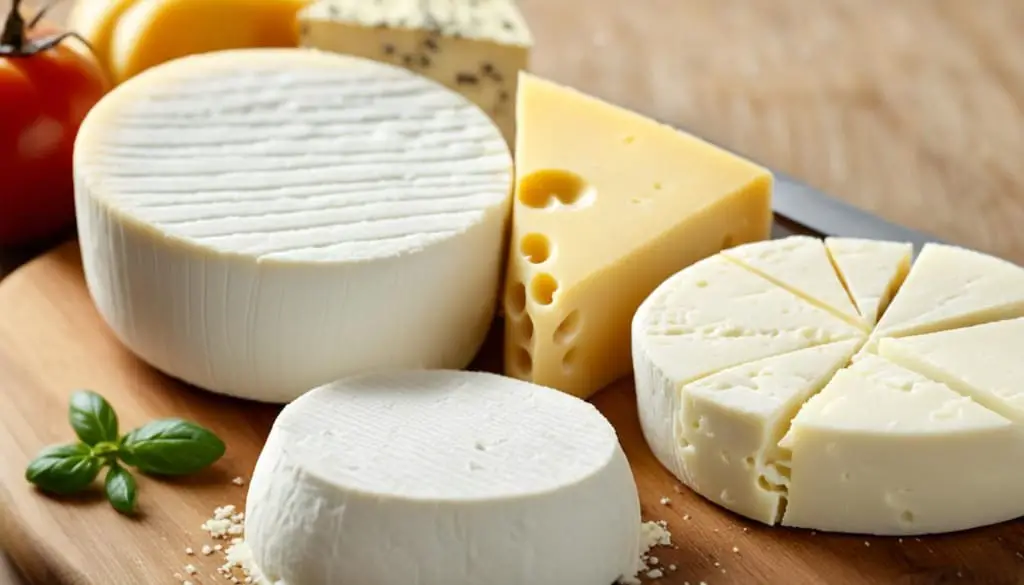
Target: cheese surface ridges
x=442 y=478
x=751 y=390
x=259 y=222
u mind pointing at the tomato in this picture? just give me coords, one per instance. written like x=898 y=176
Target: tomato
x=49 y=80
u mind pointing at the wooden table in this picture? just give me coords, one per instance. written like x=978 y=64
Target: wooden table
x=913 y=110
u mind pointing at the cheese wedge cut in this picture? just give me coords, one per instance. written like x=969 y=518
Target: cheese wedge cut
x=950 y=287
x=709 y=317
x=474 y=48
x=729 y=425
x=801 y=265
x=151 y=32
x=882 y=450
x=985 y=362
x=442 y=478
x=259 y=222
x=871 y=270
x=608 y=205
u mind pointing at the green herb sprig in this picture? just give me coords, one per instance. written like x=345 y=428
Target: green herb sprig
x=165 y=447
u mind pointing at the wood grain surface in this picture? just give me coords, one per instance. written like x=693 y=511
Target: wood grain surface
x=55 y=342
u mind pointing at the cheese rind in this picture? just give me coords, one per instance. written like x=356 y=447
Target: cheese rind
x=729 y=425
x=608 y=205
x=709 y=317
x=871 y=270
x=985 y=362
x=475 y=48
x=442 y=478
x=882 y=450
x=950 y=287
x=259 y=222
x=801 y=265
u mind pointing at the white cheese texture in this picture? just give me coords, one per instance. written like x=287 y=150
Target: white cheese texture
x=769 y=393
x=259 y=222
x=442 y=478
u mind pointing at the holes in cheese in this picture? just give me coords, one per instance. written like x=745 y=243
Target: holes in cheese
x=516 y=298
x=526 y=327
x=536 y=248
x=569 y=359
x=523 y=361
x=568 y=328
x=543 y=287
x=548 y=188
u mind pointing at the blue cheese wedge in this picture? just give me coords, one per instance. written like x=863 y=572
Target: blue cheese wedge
x=475 y=47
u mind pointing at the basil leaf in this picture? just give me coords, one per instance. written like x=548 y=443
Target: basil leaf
x=171 y=447
x=64 y=469
x=92 y=417
x=121 y=489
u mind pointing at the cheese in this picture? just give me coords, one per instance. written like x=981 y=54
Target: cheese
x=985 y=362
x=729 y=424
x=882 y=450
x=872 y=271
x=442 y=478
x=801 y=265
x=476 y=48
x=258 y=222
x=608 y=205
x=709 y=317
x=130 y=36
x=951 y=287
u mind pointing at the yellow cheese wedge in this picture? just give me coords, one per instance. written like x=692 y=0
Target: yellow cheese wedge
x=985 y=362
x=150 y=32
x=872 y=271
x=95 y=20
x=801 y=265
x=608 y=204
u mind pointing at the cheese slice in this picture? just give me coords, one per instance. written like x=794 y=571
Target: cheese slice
x=258 y=222
x=882 y=450
x=151 y=32
x=442 y=478
x=709 y=317
x=985 y=362
x=730 y=423
x=872 y=271
x=608 y=205
x=801 y=265
x=475 y=48
x=950 y=287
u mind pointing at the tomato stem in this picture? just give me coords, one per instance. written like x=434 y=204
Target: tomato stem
x=13 y=36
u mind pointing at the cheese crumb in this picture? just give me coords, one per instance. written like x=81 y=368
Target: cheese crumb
x=189 y=551
x=665 y=501
x=206 y=550
x=190 y=569
x=866 y=543
x=238 y=481
x=678 y=489
x=686 y=516
x=655 y=574
x=735 y=549
x=652 y=560
x=671 y=567
x=652 y=534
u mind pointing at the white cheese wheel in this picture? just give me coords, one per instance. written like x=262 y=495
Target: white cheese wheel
x=259 y=222
x=442 y=478
x=751 y=391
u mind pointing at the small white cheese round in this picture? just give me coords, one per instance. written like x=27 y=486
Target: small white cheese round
x=442 y=478
x=259 y=222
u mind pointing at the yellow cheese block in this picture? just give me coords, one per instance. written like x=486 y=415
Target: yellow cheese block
x=130 y=36
x=608 y=205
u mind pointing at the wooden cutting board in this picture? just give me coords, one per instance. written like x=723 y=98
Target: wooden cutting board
x=52 y=342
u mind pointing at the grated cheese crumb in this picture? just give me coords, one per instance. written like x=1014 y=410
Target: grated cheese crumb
x=652 y=560
x=238 y=481
x=655 y=574
x=866 y=543
x=206 y=550
x=665 y=501
x=190 y=569
x=686 y=516
x=671 y=567
x=735 y=549
x=189 y=551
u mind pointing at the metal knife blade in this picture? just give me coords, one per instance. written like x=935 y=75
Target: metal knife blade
x=828 y=216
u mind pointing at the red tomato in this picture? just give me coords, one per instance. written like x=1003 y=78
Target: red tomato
x=44 y=95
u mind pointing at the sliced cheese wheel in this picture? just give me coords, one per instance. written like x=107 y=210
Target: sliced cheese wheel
x=442 y=478
x=709 y=317
x=801 y=265
x=872 y=271
x=985 y=362
x=259 y=222
x=950 y=287
x=729 y=425
x=882 y=450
